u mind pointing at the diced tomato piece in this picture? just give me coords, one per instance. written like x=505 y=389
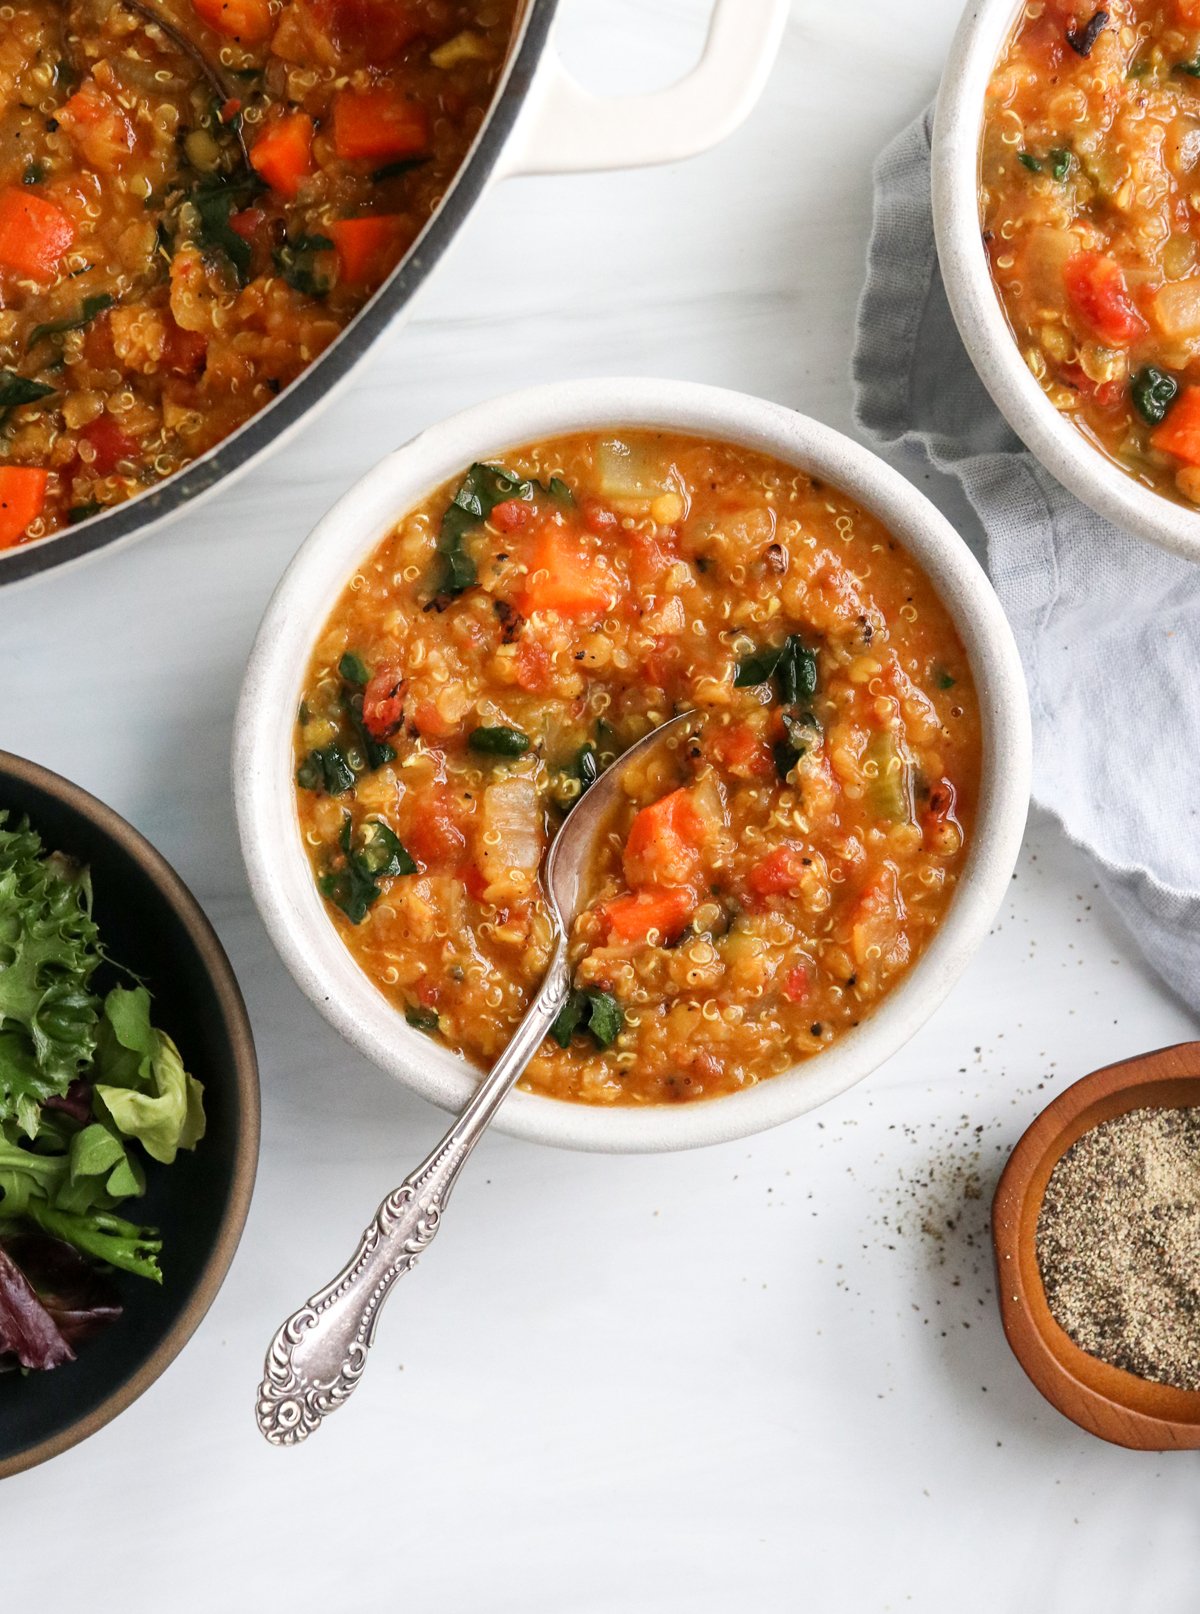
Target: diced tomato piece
x=511 y=515
x=428 y=991
x=473 y=877
x=598 y=518
x=434 y=835
x=248 y=223
x=383 y=703
x=249 y=21
x=379 y=125
x=1188 y=12
x=562 y=578
x=369 y=249
x=1095 y=284
x=665 y=841
x=649 y=557
x=663 y=913
x=1179 y=433
x=186 y=351
x=97 y=126
x=282 y=154
x=429 y=722
x=22 y=499
x=111 y=445
x=795 y=984
x=741 y=750
x=533 y=665
x=35 y=235
x=779 y=873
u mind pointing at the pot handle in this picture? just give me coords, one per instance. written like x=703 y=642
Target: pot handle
x=567 y=129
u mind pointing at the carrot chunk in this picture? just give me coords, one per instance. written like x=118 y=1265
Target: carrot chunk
x=282 y=154
x=368 y=249
x=22 y=499
x=664 y=843
x=379 y=125
x=561 y=578
x=1179 y=433
x=662 y=913
x=35 y=235
x=247 y=20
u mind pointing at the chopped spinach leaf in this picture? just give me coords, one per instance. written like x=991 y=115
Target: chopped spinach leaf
x=16 y=390
x=421 y=1019
x=355 y=885
x=81 y=512
x=89 y=309
x=500 y=741
x=1189 y=69
x=481 y=490
x=402 y=165
x=802 y=734
x=326 y=769
x=296 y=262
x=597 y=1013
x=757 y=667
x=354 y=670
x=791 y=664
x=1034 y=164
x=556 y=488
x=797 y=672
x=216 y=199
x=1153 y=393
x=1060 y=162
x=65 y=76
x=34 y=173
x=944 y=679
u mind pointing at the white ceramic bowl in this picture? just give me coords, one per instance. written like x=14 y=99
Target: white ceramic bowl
x=279 y=872
x=1062 y=449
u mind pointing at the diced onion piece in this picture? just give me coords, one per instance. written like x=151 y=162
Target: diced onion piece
x=626 y=472
x=510 y=850
x=1177 y=309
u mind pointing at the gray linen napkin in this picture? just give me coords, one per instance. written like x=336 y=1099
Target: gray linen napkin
x=1107 y=625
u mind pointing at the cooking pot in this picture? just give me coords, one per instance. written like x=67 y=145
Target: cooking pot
x=542 y=121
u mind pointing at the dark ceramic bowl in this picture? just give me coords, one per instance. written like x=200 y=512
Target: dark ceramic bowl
x=153 y=924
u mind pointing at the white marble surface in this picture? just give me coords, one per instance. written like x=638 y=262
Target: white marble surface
x=709 y=1382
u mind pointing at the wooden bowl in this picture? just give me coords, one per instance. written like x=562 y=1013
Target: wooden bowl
x=152 y=923
x=1104 y=1400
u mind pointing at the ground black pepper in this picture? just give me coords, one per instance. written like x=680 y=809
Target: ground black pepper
x=1118 y=1244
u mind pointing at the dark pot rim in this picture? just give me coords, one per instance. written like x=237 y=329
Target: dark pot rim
x=244 y=1087
x=125 y=522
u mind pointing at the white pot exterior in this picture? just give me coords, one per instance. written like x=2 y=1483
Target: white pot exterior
x=1062 y=449
x=278 y=868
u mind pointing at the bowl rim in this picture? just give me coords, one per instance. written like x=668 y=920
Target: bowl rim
x=1107 y=1401
x=246 y=1086
x=278 y=871
x=1064 y=451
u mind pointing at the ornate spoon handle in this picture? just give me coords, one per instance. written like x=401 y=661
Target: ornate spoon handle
x=318 y=1356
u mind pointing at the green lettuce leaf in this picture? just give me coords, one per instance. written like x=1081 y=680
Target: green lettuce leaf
x=141 y=1084
x=49 y=950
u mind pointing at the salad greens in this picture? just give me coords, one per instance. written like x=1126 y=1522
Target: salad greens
x=88 y=1086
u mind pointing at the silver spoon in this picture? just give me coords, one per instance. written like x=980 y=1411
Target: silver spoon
x=318 y=1356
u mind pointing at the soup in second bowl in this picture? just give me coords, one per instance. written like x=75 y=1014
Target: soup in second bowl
x=1088 y=184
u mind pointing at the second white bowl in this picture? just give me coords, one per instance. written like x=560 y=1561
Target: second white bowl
x=1061 y=447
x=280 y=875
